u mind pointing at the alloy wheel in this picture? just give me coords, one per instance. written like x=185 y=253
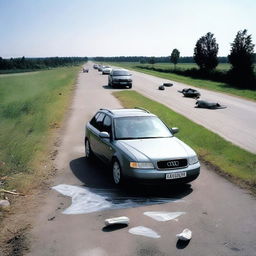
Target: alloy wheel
x=116 y=173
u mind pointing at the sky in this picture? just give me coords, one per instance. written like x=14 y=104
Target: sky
x=45 y=28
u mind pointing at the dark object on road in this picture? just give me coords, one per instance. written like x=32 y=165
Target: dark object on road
x=209 y=105
x=85 y=70
x=182 y=244
x=167 y=84
x=161 y=87
x=190 y=93
x=114 y=227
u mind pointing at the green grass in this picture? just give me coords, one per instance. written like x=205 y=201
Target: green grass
x=211 y=148
x=31 y=105
x=206 y=84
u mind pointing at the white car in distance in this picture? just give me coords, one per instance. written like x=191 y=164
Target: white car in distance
x=106 y=70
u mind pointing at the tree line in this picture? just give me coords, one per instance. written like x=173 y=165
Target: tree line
x=146 y=59
x=39 y=63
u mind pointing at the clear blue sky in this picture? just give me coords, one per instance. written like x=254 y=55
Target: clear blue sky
x=35 y=28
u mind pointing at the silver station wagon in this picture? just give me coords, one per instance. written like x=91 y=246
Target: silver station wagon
x=138 y=145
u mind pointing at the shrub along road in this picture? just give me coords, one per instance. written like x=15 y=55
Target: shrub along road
x=221 y=216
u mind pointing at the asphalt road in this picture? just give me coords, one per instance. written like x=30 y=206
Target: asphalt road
x=221 y=216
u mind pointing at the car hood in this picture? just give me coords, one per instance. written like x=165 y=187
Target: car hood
x=158 y=148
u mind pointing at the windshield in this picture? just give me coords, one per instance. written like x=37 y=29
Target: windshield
x=121 y=73
x=140 y=127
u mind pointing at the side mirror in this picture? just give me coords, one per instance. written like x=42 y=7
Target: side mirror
x=104 y=135
x=174 y=130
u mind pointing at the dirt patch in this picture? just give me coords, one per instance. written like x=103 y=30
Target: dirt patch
x=16 y=223
x=18 y=244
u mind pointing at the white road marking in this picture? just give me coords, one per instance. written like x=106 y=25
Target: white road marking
x=83 y=201
x=86 y=200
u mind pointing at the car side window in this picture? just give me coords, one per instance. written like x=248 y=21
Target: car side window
x=93 y=121
x=99 y=122
x=107 y=127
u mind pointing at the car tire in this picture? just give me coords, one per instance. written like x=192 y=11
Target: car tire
x=130 y=86
x=117 y=173
x=88 y=151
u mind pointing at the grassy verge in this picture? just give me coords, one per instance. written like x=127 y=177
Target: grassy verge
x=14 y=71
x=206 y=84
x=227 y=158
x=31 y=107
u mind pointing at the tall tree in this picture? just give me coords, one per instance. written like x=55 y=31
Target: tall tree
x=241 y=59
x=205 y=52
x=175 y=57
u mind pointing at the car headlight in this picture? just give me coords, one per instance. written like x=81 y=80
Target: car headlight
x=141 y=165
x=192 y=159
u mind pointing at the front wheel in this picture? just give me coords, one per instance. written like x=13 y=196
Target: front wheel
x=117 y=172
x=88 y=151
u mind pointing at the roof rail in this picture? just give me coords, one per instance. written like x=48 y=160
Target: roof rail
x=107 y=110
x=142 y=109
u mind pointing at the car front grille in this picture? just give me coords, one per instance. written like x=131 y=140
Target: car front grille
x=172 y=164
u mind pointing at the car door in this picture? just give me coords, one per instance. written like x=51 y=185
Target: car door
x=105 y=147
x=96 y=128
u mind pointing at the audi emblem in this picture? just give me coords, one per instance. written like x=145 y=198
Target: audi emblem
x=173 y=163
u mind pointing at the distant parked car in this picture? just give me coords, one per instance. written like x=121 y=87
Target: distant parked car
x=100 y=68
x=95 y=66
x=138 y=145
x=106 y=70
x=85 y=70
x=120 y=77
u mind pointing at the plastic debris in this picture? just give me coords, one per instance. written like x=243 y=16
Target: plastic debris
x=186 y=235
x=117 y=220
x=144 y=231
x=4 y=204
x=167 y=84
x=164 y=216
x=209 y=105
x=191 y=93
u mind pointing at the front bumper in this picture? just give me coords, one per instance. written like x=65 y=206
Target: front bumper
x=159 y=176
x=122 y=83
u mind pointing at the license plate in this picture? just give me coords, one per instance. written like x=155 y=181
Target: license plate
x=123 y=82
x=175 y=175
